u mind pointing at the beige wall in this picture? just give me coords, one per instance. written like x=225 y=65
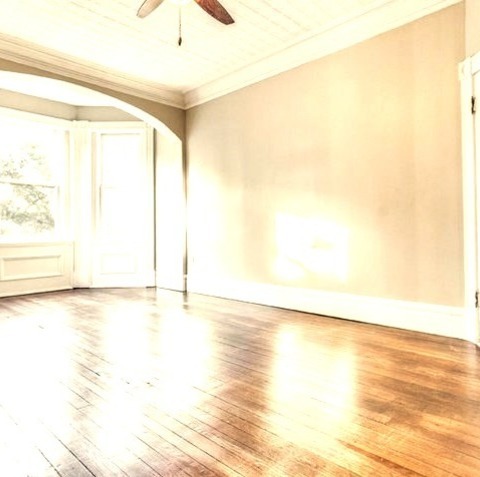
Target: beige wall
x=472 y=26
x=32 y=104
x=102 y=113
x=55 y=109
x=173 y=118
x=342 y=175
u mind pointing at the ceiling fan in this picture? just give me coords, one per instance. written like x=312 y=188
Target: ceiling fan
x=213 y=7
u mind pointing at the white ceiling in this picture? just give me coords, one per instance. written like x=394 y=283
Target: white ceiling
x=103 y=41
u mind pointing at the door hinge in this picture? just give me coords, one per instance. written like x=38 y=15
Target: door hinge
x=476 y=299
x=474 y=104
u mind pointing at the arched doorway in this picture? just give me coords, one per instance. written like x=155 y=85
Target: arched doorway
x=166 y=173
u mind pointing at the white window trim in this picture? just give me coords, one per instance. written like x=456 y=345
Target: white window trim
x=63 y=125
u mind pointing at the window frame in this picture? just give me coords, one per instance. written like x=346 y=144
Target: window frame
x=62 y=187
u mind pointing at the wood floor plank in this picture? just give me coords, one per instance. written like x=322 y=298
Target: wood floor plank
x=149 y=383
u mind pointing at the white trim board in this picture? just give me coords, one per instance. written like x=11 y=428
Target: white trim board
x=35 y=56
x=471 y=199
x=434 y=319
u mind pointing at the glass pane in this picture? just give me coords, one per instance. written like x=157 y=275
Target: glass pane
x=120 y=153
x=120 y=217
x=33 y=161
x=31 y=152
x=27 y=210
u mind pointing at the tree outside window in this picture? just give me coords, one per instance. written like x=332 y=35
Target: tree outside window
x=32 y=164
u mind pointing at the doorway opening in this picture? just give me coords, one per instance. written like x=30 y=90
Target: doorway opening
x=113 y=140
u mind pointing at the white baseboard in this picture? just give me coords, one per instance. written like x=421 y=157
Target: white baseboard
x=427 y=318
x=34 y=291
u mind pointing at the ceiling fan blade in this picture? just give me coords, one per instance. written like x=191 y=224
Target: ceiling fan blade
x=216 y=10
x=147 y=7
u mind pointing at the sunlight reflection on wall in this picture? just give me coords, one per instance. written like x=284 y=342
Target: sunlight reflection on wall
x=170 y=212
x=311 y=245
x=206 y=223
x=298 y=363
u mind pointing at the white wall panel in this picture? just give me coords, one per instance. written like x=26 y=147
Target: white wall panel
x=35 y=267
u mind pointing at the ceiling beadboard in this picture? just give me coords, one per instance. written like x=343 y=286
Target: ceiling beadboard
x=103 y=42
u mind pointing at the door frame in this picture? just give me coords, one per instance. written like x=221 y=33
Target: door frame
x=85 y=209
x=145 y=276
x=471 y=196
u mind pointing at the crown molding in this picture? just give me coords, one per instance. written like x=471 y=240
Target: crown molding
x=28 y=54
x=383 y=17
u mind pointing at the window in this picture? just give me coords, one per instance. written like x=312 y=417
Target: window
x=33 y=163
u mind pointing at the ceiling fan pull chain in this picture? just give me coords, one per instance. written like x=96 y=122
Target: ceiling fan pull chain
x=180 y=26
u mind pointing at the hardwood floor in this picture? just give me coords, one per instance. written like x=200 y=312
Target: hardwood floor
x=147 y=383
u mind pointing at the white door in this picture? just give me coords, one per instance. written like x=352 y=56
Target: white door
x=470 y=107
x=123 y=212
